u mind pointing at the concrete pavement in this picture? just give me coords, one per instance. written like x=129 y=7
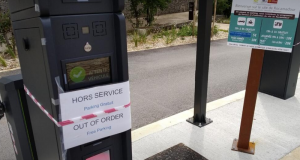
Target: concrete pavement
x=6 y=148
x=275 y=132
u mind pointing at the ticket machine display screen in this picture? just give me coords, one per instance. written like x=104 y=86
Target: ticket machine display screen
x=101 y=156
x=88 y=71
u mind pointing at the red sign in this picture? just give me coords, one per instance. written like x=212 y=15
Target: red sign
x=273 y=1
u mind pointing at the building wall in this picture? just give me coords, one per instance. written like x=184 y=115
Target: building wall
x=175 y=6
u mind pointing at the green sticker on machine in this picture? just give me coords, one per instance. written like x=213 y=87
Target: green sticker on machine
x=77 y=74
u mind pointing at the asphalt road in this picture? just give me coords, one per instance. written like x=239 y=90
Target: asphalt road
x=162 y=82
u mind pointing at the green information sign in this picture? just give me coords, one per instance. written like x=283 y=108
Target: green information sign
x=264 y=24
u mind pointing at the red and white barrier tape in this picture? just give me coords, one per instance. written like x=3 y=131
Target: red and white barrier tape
x=14 y=143
x=76 y=119
x=12 y=137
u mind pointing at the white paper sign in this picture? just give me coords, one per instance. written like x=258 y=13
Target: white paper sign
x=88 y=101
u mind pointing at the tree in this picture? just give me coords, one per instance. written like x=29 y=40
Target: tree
x=151 y=7
x=5 y=29
x=227 y=11
x=214 y=20
x=195 y=16
x=135 y=11
x=224 y=7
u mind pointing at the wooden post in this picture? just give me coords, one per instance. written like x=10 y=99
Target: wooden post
x=243 y=144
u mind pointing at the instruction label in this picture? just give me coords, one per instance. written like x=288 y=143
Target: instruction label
x=264 y=24
x=92 y=100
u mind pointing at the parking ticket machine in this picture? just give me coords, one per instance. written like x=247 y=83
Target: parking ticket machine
x=70 y=45
x=25 y=9
x=13 y=99
x=280 y=71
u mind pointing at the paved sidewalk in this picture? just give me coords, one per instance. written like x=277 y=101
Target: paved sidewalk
x=6 y=148
x=275 y=131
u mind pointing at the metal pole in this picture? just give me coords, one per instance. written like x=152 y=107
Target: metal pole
x=202 y=63
x=243 y=144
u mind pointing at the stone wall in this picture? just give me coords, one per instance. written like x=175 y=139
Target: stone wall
x=175 y=6
x=3 y=6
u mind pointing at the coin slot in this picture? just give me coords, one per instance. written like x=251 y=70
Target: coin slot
x=26 y=44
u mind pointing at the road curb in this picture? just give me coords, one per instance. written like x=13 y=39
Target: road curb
x=9 y=70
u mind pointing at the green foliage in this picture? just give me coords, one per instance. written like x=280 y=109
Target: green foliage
x=11 y=52
x=216 y=30
x=171 y=36
x=135 y=39
x=226 y=21
x=174 y=32
x=223 y=20
x=168 y=35
x=148 y=7
x=165 y=33
x=151 y=7
x=5 y=28
x=223 y=30
x=139 y=38
x=5 y=23
x=227 y=11
x=3 y=62
x=224 y=7
x=162 y=34
x=135 y=12
x=143 y=38
x=154 y=38
x=187 y=30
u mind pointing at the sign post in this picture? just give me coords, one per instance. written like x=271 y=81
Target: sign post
x=202 y=64
x=191 y=10
x=260 y=25
x=243 y=144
